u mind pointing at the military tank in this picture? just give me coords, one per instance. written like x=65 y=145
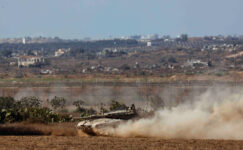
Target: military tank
x=96 y=124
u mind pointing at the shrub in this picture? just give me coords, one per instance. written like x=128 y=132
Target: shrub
x=10 y=115
x=44 y=115
x=6 y=103
x=78 y=103
x=6 y=53
x=90 y=111
x=29 y=102
x=172 y=60
x=125 y=67
x=58 y=103
x=115 y=105
x=219 y=74
x=28 y=109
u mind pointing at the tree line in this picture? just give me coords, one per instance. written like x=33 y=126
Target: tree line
x=31 y=109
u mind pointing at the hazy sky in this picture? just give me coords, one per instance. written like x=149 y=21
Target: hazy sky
x=104 y=18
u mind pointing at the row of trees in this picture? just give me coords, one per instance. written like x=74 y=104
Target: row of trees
x=30 y=109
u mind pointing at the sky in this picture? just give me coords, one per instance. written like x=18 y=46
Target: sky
x=77 y=19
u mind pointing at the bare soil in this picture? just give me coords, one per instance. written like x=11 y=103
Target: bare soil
x=111 y=143
x=65 y=136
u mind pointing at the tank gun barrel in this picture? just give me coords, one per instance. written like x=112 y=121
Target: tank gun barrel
x=119 y=114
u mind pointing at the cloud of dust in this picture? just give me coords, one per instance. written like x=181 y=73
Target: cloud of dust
x=214 y=114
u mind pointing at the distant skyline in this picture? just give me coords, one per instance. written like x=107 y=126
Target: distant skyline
x=77 y=19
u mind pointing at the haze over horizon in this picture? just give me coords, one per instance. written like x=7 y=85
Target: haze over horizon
x=106 y=18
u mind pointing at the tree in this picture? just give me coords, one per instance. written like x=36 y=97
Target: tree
x=6 y=53
x=30 y=102
x=102 y=109
x=6 y=103
x=172 y=60
x=28 y=109
x=125 y=67
x=30 y=53
x=78 y=104
x=58 y=102
x=83 y=111
x=115 y=105
x=77 y=52
x=210 y=64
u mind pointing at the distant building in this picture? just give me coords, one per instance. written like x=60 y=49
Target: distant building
x=149 y=44
x=59 y=52
x=23 y=41
x=12 y=63
x=194 y=62
x=42 y=71
x=26 y=61
x=182 y=37
x=35 y=53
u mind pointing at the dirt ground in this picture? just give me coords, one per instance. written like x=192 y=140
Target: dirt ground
x=111 y=143
x=65 y=137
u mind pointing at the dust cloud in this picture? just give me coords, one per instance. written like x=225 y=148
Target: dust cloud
x=215 y=114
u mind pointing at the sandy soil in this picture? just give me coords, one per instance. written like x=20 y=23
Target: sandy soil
x=66 y=137
x=111 y=143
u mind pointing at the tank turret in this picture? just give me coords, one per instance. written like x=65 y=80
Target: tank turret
x=93 y=124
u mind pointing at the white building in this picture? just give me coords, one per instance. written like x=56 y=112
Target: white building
x=149 y=44
x=59 y=52
x=193 y=62
x=42 y=71
x=26 y=61
x=23 y=41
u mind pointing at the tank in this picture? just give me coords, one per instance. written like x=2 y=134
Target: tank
x=96 y=124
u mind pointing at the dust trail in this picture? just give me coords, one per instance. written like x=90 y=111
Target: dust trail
x=215 y=114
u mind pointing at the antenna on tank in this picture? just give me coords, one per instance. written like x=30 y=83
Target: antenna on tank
x=235 y=80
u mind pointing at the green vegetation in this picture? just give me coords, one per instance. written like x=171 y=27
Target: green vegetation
x=83 y=111
x=171 y=59
x=28 y=109
x=219 y=74
x=87 y=112
x=78 y=103
x=115 y=105
x=6 y=53
x=30 y=102
x=58 y=103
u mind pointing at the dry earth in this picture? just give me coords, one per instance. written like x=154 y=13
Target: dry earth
x=111 y=143
x=65 y=137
